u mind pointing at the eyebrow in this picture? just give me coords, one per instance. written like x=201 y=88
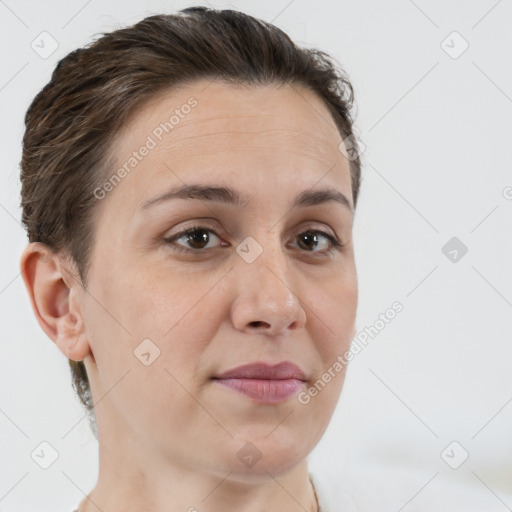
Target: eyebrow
x=230 y=196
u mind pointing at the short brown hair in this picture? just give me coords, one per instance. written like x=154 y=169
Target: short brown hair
x=73 y=120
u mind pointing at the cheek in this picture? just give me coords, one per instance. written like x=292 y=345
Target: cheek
x=177 y=311
x=158 y=305
x=152 y=367
x=333 y=312
x=181 y=315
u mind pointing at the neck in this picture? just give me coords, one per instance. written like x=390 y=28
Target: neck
x=134 y=476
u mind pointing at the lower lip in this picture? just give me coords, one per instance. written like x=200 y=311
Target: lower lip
x=265 y=391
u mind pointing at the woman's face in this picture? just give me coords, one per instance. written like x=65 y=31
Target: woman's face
x=163 y=318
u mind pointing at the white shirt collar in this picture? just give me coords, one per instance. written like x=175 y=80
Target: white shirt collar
x=335 y=500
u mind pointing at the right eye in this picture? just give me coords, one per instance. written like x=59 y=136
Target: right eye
x=197 y=236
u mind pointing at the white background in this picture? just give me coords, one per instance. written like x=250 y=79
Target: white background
x=437 y=165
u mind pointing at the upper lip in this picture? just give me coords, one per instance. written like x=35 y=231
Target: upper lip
x=284 y=370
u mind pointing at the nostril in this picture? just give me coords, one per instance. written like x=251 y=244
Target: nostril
x=257 y=323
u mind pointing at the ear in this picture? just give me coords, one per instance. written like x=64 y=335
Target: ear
x=56 y=294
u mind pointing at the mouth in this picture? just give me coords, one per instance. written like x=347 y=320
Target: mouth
x=265 y=391
x=264 y=383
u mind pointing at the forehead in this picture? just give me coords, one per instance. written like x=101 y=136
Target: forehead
x=222 y=132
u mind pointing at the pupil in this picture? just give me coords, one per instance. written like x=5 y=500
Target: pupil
x=199 y=236
x=310 y=237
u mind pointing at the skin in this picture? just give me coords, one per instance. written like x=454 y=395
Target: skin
x=168 y=434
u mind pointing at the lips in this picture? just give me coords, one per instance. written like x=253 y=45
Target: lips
x=264 y=371
x=264 y=383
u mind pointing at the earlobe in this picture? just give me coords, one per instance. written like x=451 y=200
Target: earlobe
x=55 y=298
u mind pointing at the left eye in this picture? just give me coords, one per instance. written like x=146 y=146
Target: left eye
x=198 y=237
x=311 y=236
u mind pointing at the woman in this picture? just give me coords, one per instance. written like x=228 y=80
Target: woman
x=188 y=187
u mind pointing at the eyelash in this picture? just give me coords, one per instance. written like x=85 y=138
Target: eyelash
x=335 y=243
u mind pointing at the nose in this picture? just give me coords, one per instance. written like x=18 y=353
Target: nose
x=267 y=302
